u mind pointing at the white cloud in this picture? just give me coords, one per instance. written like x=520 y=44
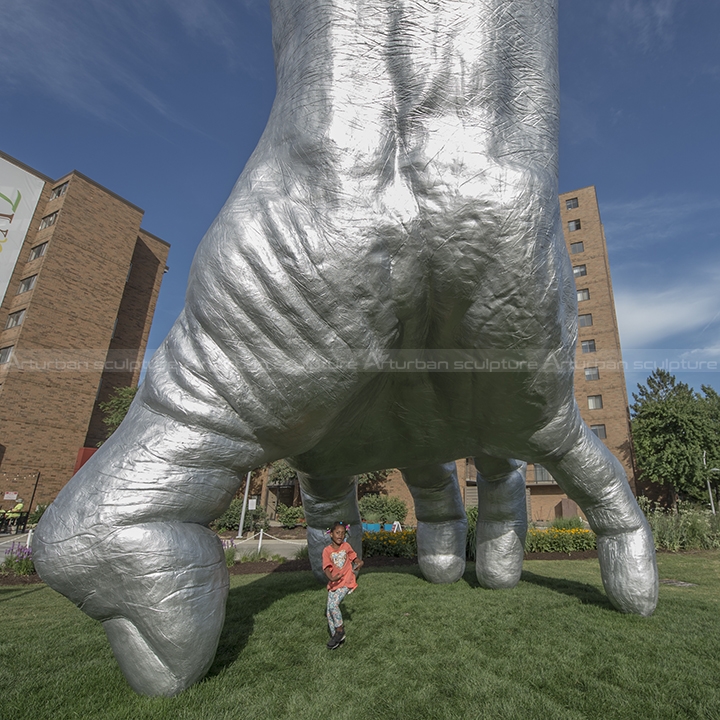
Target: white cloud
x=646 y=318
x=96 y=53
x=706 y=353
x=643 y=222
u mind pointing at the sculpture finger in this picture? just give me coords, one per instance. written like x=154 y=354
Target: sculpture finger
x=591 y=476
x=325 y=500
x=502 y=521
x=442 y=523
x=126 y=541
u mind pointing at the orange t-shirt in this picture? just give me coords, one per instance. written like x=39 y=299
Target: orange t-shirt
x=342 y=559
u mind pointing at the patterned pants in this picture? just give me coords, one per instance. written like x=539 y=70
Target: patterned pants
x=334 y=616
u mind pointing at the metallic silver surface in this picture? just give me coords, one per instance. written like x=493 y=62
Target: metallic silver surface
x=502 y=522
x=402 y=199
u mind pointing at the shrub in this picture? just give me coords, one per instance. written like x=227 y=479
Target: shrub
x=381 y=508
x=18 y=560
x=229 y=548
x=281 y=471
x=395 y=509
x=559 y=540
x=690 y=527
x=372 y=477
x=36 y=514
x=567 y=523
x=302 y=553
x=291 y=516
x=472 y=516
x=230 y=519
x=390 y=544
x=371 y=505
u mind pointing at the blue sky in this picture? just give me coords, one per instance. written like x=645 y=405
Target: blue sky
x=163 y=101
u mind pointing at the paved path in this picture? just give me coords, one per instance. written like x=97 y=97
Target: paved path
x=271 y=545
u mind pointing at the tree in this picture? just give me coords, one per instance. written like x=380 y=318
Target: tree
x=115 y=408
x=672 y=425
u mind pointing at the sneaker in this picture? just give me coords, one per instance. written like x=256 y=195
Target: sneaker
x=336 y=640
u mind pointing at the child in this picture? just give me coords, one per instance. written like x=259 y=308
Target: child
x=339 y=564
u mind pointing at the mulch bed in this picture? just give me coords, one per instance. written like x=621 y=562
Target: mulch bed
x=12 y=579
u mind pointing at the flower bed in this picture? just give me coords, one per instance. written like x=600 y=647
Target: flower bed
x=18 y=560
x=564 y=540
x=390 y=544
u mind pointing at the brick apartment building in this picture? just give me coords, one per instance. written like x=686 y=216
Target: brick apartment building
x=79 y=280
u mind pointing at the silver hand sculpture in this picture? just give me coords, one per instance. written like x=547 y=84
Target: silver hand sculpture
x=402 y=197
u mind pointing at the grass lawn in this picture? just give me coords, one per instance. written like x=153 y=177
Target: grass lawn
x=551 y=648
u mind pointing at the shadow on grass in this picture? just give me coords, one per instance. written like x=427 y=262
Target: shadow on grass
x=245 y=602
x=11 y=592
x=586 y=594
x=248 y=600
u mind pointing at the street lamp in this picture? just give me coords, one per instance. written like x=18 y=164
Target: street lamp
x=707 y=479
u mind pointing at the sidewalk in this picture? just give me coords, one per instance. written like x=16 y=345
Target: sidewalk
x=270 y=544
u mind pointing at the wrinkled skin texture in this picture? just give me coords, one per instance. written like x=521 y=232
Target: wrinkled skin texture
x=403 y=196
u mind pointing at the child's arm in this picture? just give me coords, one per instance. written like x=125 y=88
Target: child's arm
x=357 y=564
x=331 y=572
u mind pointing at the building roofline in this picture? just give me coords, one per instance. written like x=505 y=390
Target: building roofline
x=154 y=237
x=587 y=187
x=50 y=180
x=77 y=173
x=25 y=167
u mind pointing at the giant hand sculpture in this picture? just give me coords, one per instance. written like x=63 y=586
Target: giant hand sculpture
x=402 y=197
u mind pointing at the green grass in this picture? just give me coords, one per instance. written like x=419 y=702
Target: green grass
x=551 y=648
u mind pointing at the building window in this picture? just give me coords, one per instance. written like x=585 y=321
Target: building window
x=583 y=294
x=576 y=248
x=571 y=203
x=38 y=251
x=594 y=402
x=542 y=475
x=587 y=346
x=59 y=191
x=592 y=373
x=48 y=220
x=27 y=284
x=599 y=430
x=5 y=354
x=573 y=225
x=15 y=319
x=585 y=320
x=580 y=270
